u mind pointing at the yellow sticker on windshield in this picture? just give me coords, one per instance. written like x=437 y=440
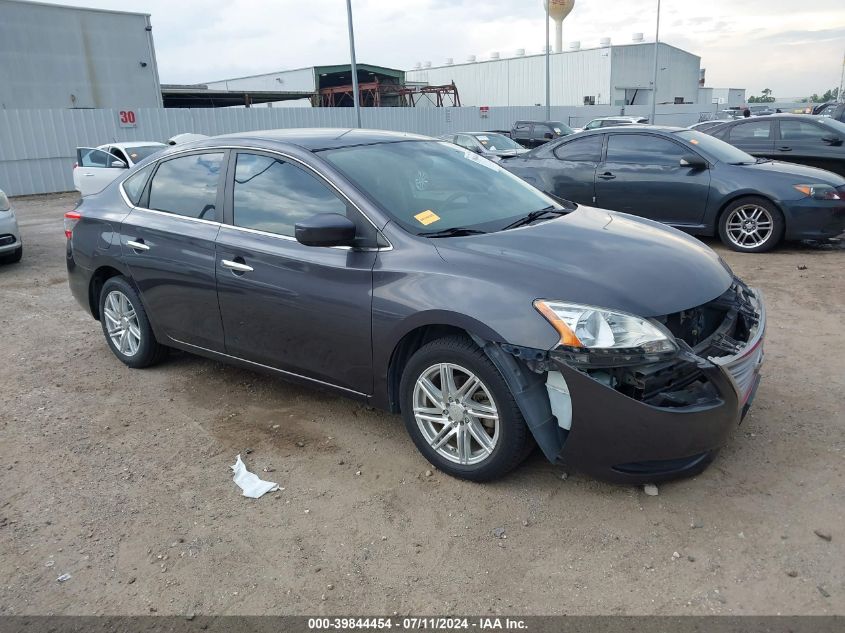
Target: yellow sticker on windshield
x=427 y=217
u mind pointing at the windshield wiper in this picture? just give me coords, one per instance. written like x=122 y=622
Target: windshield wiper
x=536 y=215
x=455 y=231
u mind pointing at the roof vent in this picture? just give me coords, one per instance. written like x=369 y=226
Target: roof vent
x=494 y=55
x=418 y=65
x=471 y=59
x=637 y=38
x=520 y=52
x=449 y=61
x=575 y=46
x=427 y=65
x=604 y=42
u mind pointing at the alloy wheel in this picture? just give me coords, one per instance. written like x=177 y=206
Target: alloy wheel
x=122 y=323
x=456 y=414
x=749 y=226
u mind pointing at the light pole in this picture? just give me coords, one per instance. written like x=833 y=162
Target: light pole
x=354 y=68
x=654 y=78
x=548 y=69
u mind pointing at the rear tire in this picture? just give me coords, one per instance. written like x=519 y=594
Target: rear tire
x=480 y=433
x=126 y=326
x=751 y=225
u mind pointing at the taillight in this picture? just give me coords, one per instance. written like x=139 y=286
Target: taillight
x=71 y=218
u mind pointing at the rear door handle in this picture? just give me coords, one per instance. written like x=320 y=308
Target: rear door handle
x=138 y=246
x=785 y=149
x=607 y=176
x=236 y=266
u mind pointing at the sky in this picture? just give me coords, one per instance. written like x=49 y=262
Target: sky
x=793 y=48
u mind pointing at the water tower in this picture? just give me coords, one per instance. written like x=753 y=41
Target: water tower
x=558 y=10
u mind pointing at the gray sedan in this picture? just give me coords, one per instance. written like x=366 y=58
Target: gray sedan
x=424 y=279
x=11 y=248
x=491 y=145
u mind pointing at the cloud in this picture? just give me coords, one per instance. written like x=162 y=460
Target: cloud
x=752 y=44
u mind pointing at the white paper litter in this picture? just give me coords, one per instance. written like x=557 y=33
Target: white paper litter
x=250 y=483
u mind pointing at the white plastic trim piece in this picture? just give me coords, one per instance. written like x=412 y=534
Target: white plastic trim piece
x=559 y=398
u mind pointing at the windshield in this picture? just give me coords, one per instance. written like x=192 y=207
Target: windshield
x=139 y=153
x=715 y=149
x=495 y=142
x=561 y=129
x=429 y=186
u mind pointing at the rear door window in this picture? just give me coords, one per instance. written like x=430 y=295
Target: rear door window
x=187 y=186
x=587 y=149
x=643 y=149
x=751 y=131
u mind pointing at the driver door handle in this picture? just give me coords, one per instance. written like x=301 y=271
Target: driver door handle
x=236 y=266
x=138 y=246
x=784 y=148
x=607 y=176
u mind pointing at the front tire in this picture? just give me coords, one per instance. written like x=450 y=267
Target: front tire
x=751 y=225
x=460 y=413
x=126 y=326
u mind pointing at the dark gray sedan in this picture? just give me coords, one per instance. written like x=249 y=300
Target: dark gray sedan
x=691 y=181
x=795 y=138
x=424 y=279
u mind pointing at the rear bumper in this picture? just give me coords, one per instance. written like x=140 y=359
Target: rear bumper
x=617 y=438
x=809 y=219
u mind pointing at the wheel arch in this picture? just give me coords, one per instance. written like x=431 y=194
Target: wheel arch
x=425 y=327
x=738 y=196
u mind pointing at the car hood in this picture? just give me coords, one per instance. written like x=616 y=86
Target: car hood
x=804 y=174
x=596 y=257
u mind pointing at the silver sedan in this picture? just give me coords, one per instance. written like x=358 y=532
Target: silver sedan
x=11 y=248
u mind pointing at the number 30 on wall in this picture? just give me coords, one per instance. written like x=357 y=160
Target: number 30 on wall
x=126 y=118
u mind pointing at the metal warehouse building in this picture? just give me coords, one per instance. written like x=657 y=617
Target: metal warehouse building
x=614 y=75
x=54 y=56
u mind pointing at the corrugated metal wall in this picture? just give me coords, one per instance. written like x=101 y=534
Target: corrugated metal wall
x=38 y=147
x=70 y=57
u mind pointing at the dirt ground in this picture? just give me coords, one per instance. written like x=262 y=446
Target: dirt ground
x=121 y=479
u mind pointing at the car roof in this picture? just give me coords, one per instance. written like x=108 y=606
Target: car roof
x=316 y=138
x=619 y=117
x=628 y=129
x=132 y=144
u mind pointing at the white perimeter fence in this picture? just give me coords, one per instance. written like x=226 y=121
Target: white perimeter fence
x=38 y=147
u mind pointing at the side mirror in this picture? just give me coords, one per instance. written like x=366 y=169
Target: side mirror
x=832 y=140
x=693 y=162
x=325 y=229
x=548 y=135
x=116 y=163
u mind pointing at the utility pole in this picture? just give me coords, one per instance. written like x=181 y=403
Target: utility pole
x=654 y=78
x=548 y=70
x=841 y=95
x=355 y=95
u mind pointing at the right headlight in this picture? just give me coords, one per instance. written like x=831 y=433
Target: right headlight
x=597 y=336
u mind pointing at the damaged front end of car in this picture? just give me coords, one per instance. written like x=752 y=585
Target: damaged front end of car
x=639 y=400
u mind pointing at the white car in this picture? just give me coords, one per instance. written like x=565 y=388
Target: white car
x=96 y=167
x=613 y=121
x=11 y=248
